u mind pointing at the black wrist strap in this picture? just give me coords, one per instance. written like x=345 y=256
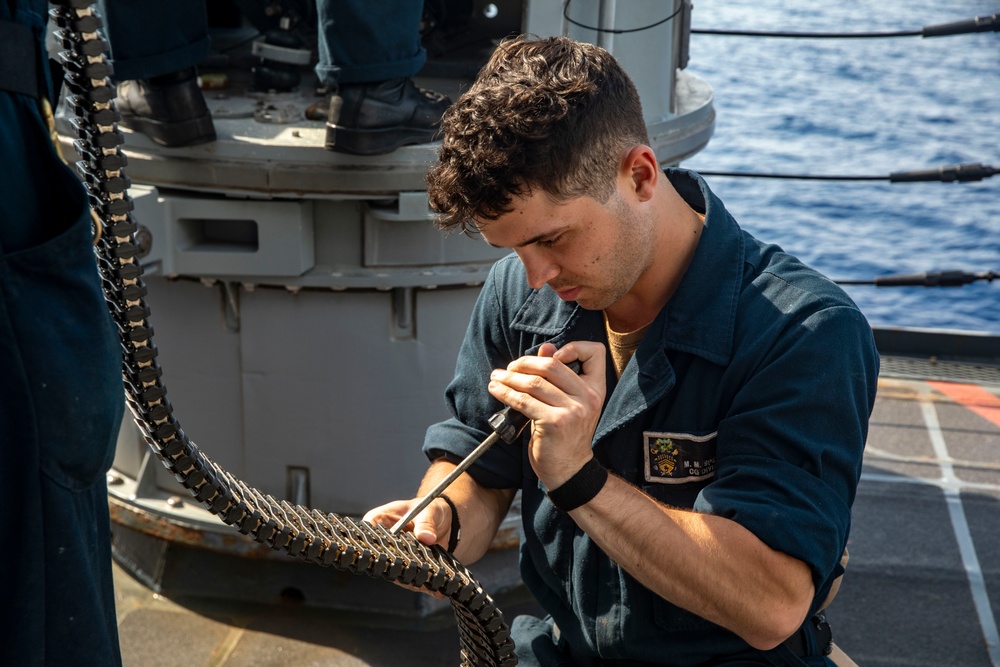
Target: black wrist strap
x=581 y=488
x=456 y=525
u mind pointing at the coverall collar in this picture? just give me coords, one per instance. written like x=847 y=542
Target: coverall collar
x=699 y=319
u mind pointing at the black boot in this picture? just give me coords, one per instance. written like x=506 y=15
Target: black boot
x=377 y=118
x=168 y=109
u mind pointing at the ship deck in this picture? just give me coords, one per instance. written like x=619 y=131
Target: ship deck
x=922 y=587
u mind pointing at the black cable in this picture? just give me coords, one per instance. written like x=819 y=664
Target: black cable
x=806 y=35
x=973 y=171
x=978 y=24
x=615 y=31
x=928 y=279
x=805 y=177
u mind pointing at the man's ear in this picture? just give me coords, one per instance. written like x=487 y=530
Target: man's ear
x=643 y=171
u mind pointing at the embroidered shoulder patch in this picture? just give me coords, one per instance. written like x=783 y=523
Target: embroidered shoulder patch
x=678 y=458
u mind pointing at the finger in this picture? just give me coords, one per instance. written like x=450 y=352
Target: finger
x=544 y=379
x=528 y=394
x=424 y=529
x=552 y=363
x=377 y=516
x=547 y=350
x=592 y=356
x=532 y=383
x=432 y=525
x=387 y=515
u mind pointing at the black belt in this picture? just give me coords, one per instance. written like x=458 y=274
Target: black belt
x=814 y=638
x=19 y=71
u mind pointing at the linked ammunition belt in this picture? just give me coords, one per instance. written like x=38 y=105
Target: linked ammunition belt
x=322 y=538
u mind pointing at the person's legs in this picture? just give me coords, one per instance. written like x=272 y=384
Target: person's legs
x=365 y=42
x=155 y=47
x=60 y=407
x=367 y=54
x=150 y=39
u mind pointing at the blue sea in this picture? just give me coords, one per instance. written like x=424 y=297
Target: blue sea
x=867 y=107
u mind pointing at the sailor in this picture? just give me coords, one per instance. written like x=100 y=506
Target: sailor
x=368 y=54
x=60 y=381
x=686 y=499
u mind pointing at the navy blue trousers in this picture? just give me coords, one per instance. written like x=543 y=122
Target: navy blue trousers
x=359 y=40
x=60 y=402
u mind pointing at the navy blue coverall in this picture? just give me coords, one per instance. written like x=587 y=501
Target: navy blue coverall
x=60 y=389
x=748 y=398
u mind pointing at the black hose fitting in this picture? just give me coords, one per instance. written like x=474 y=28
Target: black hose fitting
x=978 y=24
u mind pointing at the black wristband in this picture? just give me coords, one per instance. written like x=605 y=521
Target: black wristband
x=581 y=488
x=456 y=525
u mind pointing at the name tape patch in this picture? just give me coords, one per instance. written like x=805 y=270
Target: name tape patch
x=678 y=458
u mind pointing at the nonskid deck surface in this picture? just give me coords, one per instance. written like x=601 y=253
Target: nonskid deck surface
x=923 y=583
x=922 y=587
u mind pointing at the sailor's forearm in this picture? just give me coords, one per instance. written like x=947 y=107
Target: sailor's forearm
x=706 y=564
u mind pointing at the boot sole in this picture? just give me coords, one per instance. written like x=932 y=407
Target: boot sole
x=198 y=130
x=375 y=142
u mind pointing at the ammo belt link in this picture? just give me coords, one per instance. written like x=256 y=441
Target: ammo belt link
x=324 y=539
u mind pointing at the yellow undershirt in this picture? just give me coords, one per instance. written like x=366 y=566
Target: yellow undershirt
x=622 y=345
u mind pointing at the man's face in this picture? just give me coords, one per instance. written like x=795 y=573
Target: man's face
x=587 y=252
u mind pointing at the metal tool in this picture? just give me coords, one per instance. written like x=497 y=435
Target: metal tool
x=507 y=425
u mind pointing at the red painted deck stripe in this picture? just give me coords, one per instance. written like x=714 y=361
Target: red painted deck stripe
x=975 y=398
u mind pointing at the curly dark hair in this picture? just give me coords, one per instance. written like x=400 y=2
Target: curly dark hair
x=550 y=113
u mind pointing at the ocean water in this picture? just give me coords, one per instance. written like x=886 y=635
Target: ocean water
x=861 y=106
